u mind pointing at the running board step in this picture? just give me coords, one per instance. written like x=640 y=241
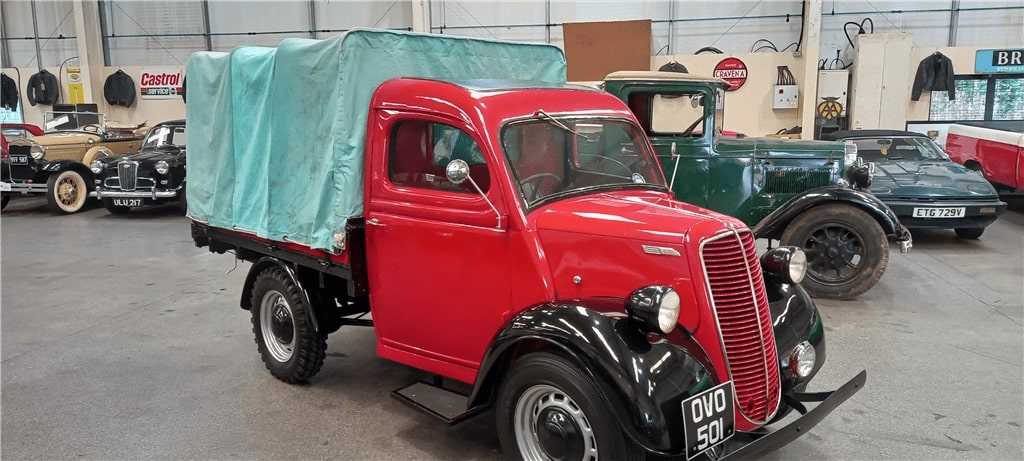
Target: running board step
x=444 y=404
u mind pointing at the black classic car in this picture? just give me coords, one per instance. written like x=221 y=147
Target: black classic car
x=922 y=185
x=156 y=174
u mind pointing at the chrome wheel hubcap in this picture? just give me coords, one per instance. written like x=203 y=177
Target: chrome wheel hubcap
x=277 y=326
x=549 y=425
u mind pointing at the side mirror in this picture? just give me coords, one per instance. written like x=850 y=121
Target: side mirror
x=457 y=171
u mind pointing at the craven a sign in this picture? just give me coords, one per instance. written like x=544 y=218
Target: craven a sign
x=1006 y=61
x=160 y=85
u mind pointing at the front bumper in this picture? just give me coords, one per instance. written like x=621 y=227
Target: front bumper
x=976 y=214
x=23 y=187
x=151 y=194
x=757 y=444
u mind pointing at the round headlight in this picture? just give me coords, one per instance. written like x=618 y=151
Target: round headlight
x=801 y=360
x=37 y=152
x=789 y=263
x=655 y=307
x=96 y=166
x=162 y=167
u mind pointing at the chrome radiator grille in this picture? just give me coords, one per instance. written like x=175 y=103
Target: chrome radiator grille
x=126 y=174
x=741 y=304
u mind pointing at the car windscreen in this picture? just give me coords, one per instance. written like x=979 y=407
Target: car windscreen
x=166 y=135
x=553 y=157
x=906 y=148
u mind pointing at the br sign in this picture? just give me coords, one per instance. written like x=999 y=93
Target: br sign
x=733 y=71
x=999 y=61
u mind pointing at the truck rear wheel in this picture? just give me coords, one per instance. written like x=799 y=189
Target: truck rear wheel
x=548 y=409
x=847 y=251
x=66 y=192
x=290 y=347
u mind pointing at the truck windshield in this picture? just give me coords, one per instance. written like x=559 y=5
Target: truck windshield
x=556 y=157
x=909 y=148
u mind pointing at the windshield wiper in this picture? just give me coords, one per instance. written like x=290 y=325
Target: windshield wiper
x=554 y=121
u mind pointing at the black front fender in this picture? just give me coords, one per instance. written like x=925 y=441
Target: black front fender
x=795 y=319
x=250 y=279
x=642 y=381
x=773 y=225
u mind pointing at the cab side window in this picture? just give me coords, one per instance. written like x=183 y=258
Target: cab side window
x=420 y=152
x=669 y=113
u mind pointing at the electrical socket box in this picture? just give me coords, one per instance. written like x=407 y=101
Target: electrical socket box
x=786 y=97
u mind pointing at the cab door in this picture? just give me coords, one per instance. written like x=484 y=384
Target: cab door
x=435 y=250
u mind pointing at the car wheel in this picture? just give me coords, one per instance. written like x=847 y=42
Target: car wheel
x=847 y=251
x=108 y=203
x=3 y=201
x=290 y=347
x=66 y=192
x=548 y=409
x=971 y=233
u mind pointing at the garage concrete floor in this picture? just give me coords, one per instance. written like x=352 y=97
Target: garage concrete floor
x=121 y=340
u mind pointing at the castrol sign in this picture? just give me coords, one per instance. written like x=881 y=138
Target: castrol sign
x=160 y=85
x=733 y=71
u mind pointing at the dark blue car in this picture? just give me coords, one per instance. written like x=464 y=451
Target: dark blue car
x=922 y=185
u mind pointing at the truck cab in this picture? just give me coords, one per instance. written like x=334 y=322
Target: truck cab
x=810 y=194
x=520 y=245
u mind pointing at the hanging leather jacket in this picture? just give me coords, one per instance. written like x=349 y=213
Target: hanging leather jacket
x=43 y=88
x=935 y=73
x=119 y=89
x=8 y=93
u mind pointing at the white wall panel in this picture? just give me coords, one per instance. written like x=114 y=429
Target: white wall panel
x=335 y=15
x=153 y=18
x=54 y=19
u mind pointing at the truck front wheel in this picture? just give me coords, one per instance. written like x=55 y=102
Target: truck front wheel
x=548 y=409
x=290 y=347
x=847 y=251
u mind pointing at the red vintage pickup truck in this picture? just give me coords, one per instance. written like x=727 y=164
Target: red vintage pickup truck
x=995 y=151
x=544 y=263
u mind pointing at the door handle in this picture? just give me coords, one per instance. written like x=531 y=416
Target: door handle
x=373 y=222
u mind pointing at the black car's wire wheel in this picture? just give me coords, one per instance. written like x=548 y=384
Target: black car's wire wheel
x=847 y=251
x=66 y=192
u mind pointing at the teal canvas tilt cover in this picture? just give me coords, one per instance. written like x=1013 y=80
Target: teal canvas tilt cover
x=276 y=135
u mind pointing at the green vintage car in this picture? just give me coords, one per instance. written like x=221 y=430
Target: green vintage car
x=811 y=194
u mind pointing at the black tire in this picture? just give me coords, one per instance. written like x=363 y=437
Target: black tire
x=969 y=233
x=183 y=202
x=108 y=203
x=544 y=369
x=308 y=347
x=861 y=271
x=3 y=201
x=59 y=204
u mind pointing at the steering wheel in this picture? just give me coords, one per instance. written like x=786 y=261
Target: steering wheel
x=91 y=128
x=535 y=187
x=693 y=126
x=629 y=171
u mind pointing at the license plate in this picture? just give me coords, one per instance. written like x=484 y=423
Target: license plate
x=949 y=212
x=708 y=419
x=19 y=159
x=5 y=187
x=128 y=201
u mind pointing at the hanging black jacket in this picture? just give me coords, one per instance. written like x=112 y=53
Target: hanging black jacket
x=935 y=73
x=8 y=93
x=119 y=89
x=43 y=88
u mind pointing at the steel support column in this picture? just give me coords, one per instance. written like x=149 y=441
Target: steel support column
x=206 y=25
x=954 y=21
x=35 y=33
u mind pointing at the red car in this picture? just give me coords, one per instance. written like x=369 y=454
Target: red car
x=996 y=151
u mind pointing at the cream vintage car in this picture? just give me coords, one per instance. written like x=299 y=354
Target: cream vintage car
x=57 y=163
